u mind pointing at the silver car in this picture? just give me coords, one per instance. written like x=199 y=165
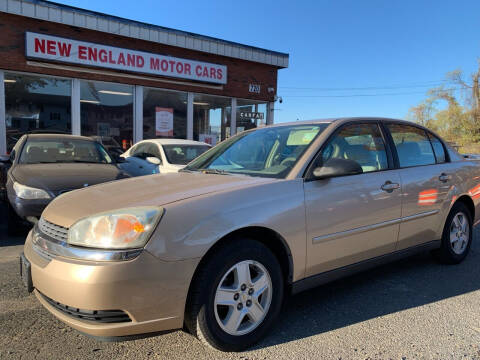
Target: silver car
x=218 y=246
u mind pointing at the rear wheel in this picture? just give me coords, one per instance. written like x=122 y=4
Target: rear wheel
x=236 y=296
x=457 y=235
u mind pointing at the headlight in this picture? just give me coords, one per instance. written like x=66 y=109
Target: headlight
x=29 y=193
x=120 y=229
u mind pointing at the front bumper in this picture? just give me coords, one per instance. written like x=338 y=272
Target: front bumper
x=150 y=291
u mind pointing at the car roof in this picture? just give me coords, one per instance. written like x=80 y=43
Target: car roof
x=341 y=119
x=175 y=142
x=59 y=137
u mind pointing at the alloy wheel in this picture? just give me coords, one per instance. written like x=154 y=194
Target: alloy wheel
x=243 y=298
x=459 y=233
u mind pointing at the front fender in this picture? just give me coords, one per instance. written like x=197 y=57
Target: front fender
x=189 y=228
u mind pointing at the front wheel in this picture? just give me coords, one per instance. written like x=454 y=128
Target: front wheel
x=457 y=235
x=236 y=296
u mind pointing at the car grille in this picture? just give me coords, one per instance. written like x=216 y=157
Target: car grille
x=56 y=232
x=100 y=316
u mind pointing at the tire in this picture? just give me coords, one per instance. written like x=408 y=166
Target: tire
x=218 y=282
x=456 y=241
x=14 y=222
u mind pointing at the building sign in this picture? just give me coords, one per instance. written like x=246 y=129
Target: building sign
x=163 y=121
x=254 y=88
x=46 y=47
x=251 y=115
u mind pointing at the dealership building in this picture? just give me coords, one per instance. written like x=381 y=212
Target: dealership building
x=82 y=72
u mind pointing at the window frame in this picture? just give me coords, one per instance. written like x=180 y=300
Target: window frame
x=445 y=152
x=308 y=174
x=385 y=124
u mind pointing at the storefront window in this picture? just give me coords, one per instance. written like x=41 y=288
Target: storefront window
x=34 y=103
x=106 y=110
x=164 y=114
x=211 y=118
x=250 y=114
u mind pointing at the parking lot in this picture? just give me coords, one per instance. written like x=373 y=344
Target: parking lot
x=414 y=308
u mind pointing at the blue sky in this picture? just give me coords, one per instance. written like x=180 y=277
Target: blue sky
x=396 y=47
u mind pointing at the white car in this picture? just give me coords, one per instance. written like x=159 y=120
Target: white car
x=155 y=156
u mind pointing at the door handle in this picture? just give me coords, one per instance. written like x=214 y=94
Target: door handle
x=444 y=177
x=389 y=186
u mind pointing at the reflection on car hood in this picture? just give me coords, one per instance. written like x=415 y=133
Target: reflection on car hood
x=62 y=177
x=151 y=190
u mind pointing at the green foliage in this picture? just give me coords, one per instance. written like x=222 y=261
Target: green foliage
x=459 y=122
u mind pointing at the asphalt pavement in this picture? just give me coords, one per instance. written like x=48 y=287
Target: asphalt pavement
x=410 y=309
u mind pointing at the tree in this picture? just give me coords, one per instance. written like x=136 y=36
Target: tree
x=422 y=113
x=460 y=121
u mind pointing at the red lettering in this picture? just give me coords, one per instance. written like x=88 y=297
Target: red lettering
x=187 y=69
x=121 y=59
x=64 y=49
x=205 y=71
x=164 y=65
x=140 y=61
x=213 y=73
x=219 y=74
x=110 y=58
x=39 y=45
x=92 y=54
x=172 y=62
x=154 y=64
x=198 y=70
x=102 y=55
x=82 y=52
x=130 y=60
x=179 y=67
x=51 y=47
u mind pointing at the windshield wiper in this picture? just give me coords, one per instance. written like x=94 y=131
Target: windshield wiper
x=85 y=162
x=214 y=171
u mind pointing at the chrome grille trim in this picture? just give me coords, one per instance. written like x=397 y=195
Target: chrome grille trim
x=56 y=232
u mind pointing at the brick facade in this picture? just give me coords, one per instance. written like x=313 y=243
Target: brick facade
x=241 y=73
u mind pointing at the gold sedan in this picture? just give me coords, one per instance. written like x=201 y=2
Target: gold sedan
x=218 y=246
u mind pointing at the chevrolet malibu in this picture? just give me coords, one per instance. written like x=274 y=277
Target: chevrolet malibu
x=217 y=247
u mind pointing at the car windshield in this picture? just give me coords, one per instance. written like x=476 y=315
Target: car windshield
x=41 y=151
x=183 y=154
x=268 y=152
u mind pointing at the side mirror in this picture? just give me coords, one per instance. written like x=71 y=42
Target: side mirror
x=337 y=167
x=153 y=160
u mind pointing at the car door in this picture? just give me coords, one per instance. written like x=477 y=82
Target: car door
x=353 y=218
x=426 y=181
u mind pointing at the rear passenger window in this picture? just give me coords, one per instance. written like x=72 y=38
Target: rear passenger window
x=412 y=144
x=437 y=148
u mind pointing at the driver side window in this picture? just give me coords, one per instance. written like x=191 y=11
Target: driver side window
x=362 y=143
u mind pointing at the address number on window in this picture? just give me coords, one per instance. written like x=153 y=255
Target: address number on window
x=254 y=88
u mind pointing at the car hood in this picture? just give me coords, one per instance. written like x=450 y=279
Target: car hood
x=58 y=178
x=151 y=190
